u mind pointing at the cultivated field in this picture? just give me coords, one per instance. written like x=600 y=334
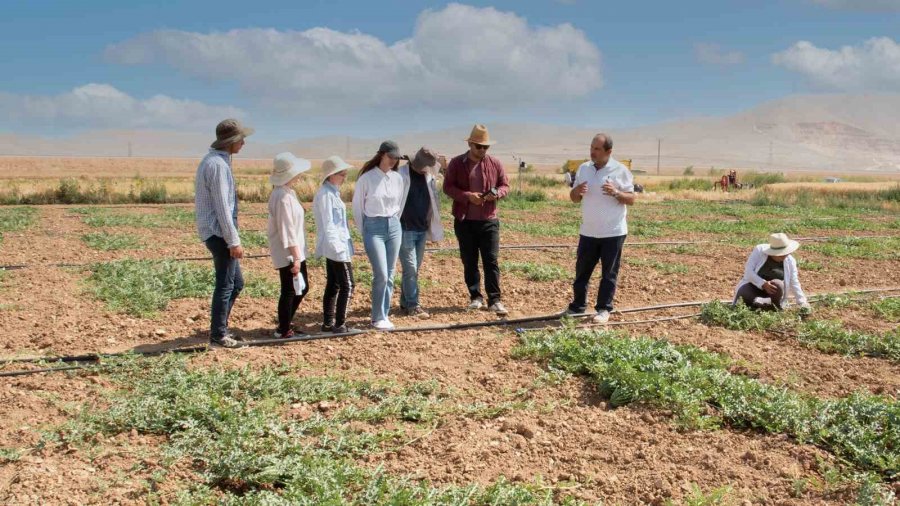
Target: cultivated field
x=723 y=406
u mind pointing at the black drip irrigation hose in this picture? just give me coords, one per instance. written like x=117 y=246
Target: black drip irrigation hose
x=505 y=247
x=426 y=328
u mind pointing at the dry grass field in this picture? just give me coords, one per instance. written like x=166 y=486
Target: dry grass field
x=678 y=405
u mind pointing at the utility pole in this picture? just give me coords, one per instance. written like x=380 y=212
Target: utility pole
x=658 y=150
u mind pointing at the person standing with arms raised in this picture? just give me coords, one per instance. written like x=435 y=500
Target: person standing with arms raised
x=605 y=188
x=476 y=181
x=216 y=209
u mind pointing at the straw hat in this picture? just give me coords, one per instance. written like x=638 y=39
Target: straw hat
x=332 y=165
x=286 y=166
x=480 y=135
x=230 y=131
x=780 y=245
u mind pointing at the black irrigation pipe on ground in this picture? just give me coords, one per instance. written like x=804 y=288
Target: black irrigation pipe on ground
x=426 y=328
x=507 y=247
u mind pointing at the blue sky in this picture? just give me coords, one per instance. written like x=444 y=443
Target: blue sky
x=299 y=69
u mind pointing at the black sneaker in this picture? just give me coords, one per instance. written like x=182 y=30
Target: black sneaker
x=327 y=328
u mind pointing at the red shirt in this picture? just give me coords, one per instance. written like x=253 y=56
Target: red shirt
x=457 y=183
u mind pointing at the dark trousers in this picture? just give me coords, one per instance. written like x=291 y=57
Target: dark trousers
x=289 y=300
x=607 y=251
x=747 y=293
x=480 y=238
x=338 y=291
x=229 y=283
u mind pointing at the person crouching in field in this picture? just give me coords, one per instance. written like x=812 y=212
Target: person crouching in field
x=771 y=276
x=334 y=243
x=420 y=221
x=216 y=210
x=287 y=240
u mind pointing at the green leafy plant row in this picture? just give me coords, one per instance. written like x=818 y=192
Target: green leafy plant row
x=145 y=287
x=863 y=429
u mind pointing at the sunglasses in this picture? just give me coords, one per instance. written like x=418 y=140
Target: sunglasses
x=480 y=146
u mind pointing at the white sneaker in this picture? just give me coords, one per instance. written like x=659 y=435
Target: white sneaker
x=602 y=316
x=383 y=325
x=498 y=309
x=476 y=304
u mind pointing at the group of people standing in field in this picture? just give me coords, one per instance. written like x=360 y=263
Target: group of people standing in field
x=396 y=210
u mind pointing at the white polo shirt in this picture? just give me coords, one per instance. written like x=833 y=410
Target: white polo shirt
x=601 y=214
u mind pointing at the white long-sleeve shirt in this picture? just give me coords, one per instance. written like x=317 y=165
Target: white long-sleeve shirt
x=332 y=228
x=377 y=194
x=285 y=227
x=791 y=278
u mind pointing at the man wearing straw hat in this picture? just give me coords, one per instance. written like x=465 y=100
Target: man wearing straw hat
x=215 y=204
x=476 y=181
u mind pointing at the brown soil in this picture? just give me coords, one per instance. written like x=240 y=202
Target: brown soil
x=567 y=435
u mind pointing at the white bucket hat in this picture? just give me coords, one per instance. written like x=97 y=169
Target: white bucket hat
x=332 y=165
x=286 y=166
x=780 y=245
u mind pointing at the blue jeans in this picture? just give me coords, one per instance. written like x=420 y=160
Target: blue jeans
x=229 y=283
x=381 y=237
x=412 y=249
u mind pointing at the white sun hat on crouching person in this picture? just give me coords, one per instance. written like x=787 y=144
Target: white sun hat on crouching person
x=286 y=166
x=780 y=245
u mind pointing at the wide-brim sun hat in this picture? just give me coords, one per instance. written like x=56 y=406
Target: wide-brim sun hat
x=480 y=135
x=230 y=131
x=424 y=160
x=332 y=165
x=779 y=245
x=286 y=166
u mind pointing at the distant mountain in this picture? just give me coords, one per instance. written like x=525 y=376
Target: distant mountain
x=840 y=133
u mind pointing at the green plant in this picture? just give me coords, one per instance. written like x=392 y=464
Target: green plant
x=664 y=267
x=254 y=239
x=688 y=171
x=860 y=428
x=16 y=218
x=145 y=287
x=536 y=272
x=105 y=241
x=887 y=308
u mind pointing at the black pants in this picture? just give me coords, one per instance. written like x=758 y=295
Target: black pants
x=289 y=301
x=480 y=238
x=748 y=293
x=338 y=291
x=607 y=251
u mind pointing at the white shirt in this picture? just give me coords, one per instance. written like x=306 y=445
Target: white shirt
x=285 y=227
x=332 y=233
x=601 y=214
x=791 y=278
x=377 y=194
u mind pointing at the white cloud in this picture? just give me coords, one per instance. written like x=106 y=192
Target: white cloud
x=102 y=105
x=713 y=54
x=872 y=66
x=457 y=57
x=860 y=5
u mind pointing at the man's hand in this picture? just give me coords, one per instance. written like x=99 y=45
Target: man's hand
x=475 y=198
x=237 y=252
x=610 y=189
x=490 y=197
x=580 y=190
x=770 y=288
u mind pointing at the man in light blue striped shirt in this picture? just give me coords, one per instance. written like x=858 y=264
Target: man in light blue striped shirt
x=216 y=207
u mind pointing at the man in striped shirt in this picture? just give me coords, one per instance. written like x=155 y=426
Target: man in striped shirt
x=215 y=203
